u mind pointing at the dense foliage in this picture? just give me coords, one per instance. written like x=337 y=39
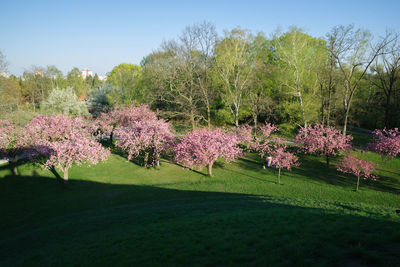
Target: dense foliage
x=201 y=78
x=64 y=101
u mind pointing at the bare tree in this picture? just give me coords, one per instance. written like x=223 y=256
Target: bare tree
x=206 y=36
x=171 y=73
x=387 y=71
x=328 y=80
x=354 y=54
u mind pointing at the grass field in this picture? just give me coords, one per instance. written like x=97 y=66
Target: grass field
x=117 y=213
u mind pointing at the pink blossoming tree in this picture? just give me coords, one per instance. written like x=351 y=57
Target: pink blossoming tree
x=324 y=141
x=387 y=143
x=281 y=158
x=8 y=143
x=203 y=147
x=58 y=141
x=244 y=135
x=147 y=138
x=106 y=123
x=262 y=143
x=357 y=167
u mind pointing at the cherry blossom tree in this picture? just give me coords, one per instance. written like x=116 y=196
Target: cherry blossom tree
x=262 y=143
x=324 y=141
x=8 y=143
x=106 y=123
x=203 y=147
x=387 y=143
x=281 y=158
x=244 y=135
x=147 y=137
x=58 y=141
x=357 y=167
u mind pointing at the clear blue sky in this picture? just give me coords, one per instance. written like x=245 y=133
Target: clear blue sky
x=101 y=34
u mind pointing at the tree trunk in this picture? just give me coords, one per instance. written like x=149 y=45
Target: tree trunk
x=255 y=119
x=111 y=136
x=192 y=119
x=358 y=182
x=387 y=110
x=146 y=158
x=208 y=116
x=65 y=176
x=236 y=117
x=328 y=115
x=302 y=108
x=209 y=169
x=279 y=176
x=13 y=165
x=327 y=161
x=345 y=121
x=14 y=170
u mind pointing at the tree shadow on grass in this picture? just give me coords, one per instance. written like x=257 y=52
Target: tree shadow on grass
x=382 y=183
x=251 y=165
x=101 y=224
x=315 y=169
x=191 y=169
x=8 y=166
x=252 y=177
x=53 y=171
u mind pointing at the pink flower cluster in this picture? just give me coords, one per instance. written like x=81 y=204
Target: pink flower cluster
x=267 y=129
x=282 y=158
x=388 y=142
x=323 y=140
x=262 y=143
x=326 y=141
x=145 y=136
x=62 y=141
x=244 y=135
x=105 y=124
x=203 y=147
x=357 y=167
x=8 y=137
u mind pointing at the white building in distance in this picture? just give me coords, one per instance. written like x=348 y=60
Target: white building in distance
x=3 y=74
x=86 y=73
x=103 y=78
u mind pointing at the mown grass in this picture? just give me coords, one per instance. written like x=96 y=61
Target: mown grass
x=360 y=140
x=118 y=213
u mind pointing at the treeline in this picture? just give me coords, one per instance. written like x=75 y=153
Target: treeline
x=21 y=98
x=202 y=79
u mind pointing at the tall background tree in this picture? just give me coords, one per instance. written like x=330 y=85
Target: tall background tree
x=386 y=70
x=125 y=81
x=262 y=85
x=301 y=55
x=233 y=65
x=354 y=54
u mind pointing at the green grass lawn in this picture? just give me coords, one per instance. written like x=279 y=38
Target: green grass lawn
x=117 y=213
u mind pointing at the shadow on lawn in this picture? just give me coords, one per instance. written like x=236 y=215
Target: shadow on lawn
x=102 y=224
x=316 y=170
